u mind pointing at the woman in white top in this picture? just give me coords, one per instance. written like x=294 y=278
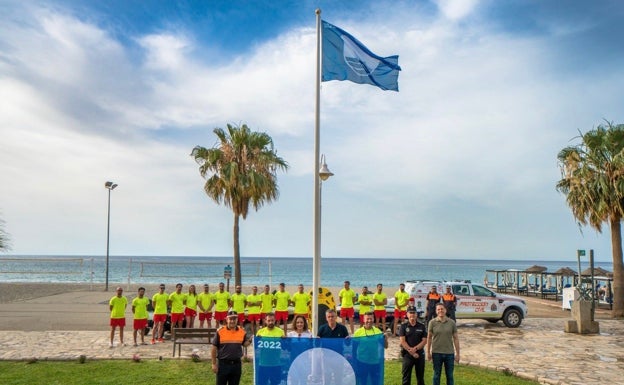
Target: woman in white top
x=300 y=327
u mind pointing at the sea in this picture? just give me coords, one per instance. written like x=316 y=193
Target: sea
x=259 y=271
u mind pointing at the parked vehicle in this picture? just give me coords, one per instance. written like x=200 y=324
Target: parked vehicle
x=473 y=301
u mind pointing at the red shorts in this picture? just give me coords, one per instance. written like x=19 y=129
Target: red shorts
x=159 y=318
x=121 y=322
x=190 y=312
x=347 y=312
x=241 y=318
x=399 y=313
x=220 y=315
x=140 y=324
x=281 y=315
x=205 y=316
x=380 y=314
x=177 y=317
x=253 y=317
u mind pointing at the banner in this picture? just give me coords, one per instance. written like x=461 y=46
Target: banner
x=319 y=361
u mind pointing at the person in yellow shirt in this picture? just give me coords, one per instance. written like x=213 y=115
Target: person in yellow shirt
x=267 y=303
x=366 y=302
x=221 y=300
x=139 y=310
x=380 y=300
x=401 y=299
x=281 y=300
x=238 y=302
x=190 y=310
x=176 y=302
x=347 y=298
x=301 y=301
x=117 y=306
x=368 y=352
x=159 y=302
x=254 y=303
x=205 y=302
x=269 y=363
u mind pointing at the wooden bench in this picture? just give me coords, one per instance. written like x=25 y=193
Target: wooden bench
x=198 y=336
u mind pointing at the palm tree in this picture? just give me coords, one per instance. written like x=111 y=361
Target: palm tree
x=240 y=170
x=4 y=238
x=593 y=182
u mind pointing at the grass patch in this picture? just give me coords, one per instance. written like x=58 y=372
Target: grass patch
x=187 y=372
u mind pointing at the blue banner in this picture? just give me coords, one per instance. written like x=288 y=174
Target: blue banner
x=321 y=361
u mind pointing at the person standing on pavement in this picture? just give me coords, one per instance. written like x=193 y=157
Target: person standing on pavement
x=347 y=298
x=401 y=299
x=380 y=300
x=433 y=298
x=205 y=302
x=413 y=339
x=139 y=311
x=159 y=302
x=450 y=301
x=176 y=302
x=117 y=306
x=442 y=345
x=366 y=301
x=281 y=300
x=227 y=351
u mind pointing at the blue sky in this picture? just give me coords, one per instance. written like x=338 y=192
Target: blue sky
x=461 y=163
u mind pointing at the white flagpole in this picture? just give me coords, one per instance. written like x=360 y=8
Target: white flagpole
x=316 y=264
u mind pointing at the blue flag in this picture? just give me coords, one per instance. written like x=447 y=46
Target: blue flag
x=326 y=361
x=345 y=58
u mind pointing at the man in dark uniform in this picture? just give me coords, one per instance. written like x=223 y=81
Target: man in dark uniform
x=227 y=351
x=332 y=329
x=413 y=338
x=450 y=301
x=433 y=298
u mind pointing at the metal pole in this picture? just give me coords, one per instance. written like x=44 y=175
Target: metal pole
x=107 y=239
x=316 y=263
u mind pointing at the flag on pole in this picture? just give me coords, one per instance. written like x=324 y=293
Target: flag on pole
x=345 y=58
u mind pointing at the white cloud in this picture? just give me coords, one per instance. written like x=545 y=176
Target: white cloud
x=442 y=168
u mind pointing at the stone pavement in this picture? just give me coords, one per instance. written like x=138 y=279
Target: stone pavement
x=537 y=350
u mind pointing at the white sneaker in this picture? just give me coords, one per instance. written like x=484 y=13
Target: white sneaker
x=111 y=345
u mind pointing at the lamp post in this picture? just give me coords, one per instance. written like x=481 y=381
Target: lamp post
x=109 y=186
x=323 y=174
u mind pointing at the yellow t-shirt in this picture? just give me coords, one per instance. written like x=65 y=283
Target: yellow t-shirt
x=346 y=298
x=140 y=307
x=238 y=302
x=253 y=309
x=159 y=301
x=204 y=299
x=301 y=301
x=281 y=300
x=177 y=302
x=191 y=301
x=401 y=300
x=267 y=302
x=379 y=297
x=119 y=306
x=365 y=308
x=221 y=300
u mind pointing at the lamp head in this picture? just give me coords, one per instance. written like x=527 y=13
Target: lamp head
x=110 y=185
x=324 y=172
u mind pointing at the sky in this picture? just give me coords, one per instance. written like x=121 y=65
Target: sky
x=461 y=163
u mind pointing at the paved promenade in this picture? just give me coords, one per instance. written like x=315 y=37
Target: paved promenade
x=538 y=350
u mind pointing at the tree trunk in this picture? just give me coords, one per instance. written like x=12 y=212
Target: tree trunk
x=618 y=268
x=237 y=262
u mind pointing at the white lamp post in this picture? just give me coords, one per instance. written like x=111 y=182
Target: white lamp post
x=109 y=186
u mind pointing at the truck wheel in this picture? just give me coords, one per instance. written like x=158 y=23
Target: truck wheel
x=512 y=318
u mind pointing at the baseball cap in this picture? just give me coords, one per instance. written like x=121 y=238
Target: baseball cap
x=411 y=309
x=232 y=313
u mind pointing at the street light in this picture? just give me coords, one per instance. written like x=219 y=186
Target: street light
x=109 y=186
x=323 y=174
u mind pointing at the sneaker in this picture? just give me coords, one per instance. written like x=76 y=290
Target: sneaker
x=135 y=344
x=153 y=341
x=161 y=340
x=110 y=346
x=143 y=343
